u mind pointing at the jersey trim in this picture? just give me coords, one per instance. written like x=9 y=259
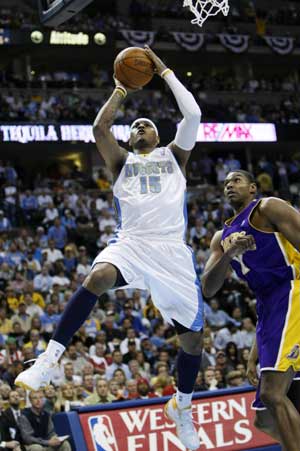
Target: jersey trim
x=229 y=221
x=119 y=213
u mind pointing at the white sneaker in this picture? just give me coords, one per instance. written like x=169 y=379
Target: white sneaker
x=185 y=428
x=38 y=375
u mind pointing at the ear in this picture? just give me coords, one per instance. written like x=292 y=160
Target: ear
x=129 y=142
x=253 y=188
x=158 y=140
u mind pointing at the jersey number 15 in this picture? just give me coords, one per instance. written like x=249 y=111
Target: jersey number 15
x=150 y=184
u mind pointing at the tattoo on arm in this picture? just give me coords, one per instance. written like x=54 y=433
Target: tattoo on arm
x=108 y=112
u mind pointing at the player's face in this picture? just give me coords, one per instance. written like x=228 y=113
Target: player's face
x=238 y=190
x=143 y=135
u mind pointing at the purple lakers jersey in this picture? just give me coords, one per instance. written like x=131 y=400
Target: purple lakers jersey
x=275 y=259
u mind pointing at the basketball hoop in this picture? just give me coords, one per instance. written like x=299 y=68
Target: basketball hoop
x=202 y=9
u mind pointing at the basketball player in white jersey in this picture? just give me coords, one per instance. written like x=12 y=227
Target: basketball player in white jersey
x=149 y=249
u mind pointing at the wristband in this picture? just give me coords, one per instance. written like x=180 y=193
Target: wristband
x=121 y=90
x=165 y=72
x=3 y=444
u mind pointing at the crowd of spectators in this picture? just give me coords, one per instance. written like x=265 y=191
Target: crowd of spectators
x=71 y=106
x=111 y=17
x=124 y=350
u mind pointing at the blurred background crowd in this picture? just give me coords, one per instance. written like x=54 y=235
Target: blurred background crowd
x=56 y=203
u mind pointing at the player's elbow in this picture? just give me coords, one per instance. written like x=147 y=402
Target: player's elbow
x=100 y=128
x=208 y=291
x=194 y=112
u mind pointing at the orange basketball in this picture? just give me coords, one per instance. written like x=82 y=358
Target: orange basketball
x=133 y=67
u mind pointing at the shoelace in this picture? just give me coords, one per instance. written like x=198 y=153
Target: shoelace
x=190 y=415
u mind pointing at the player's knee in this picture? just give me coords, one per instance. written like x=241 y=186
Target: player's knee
x=101 y=279
x=192 y=344
x=270 y=397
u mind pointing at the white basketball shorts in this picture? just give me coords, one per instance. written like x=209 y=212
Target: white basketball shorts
x=167 y=270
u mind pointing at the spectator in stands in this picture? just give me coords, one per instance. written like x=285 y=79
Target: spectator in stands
x=58 y=233
x=51 y=399
x=53 y=254
x=5 y=322
x=87 y=385
x=9 y=420
x=157 y=338
x=32 y=309
x=5 y=224
x=37 y=427
x=234 y=379
x=117 y=363
x=218 y=318
x=29 y=205
x=144 y=390
x=101 y=395
x=210 y=381
x=51 y=213
x=78 y=360
x=132 y=352
x=120 y=376
x=131 y=389
x=69 y=376
x=43 y=282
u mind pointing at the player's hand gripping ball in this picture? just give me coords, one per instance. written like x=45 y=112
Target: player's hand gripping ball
x=133 y=68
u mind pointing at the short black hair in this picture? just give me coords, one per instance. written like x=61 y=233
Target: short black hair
x=249 y=176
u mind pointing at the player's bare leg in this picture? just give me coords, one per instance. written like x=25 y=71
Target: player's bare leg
x=273 y=393
x=265 y=422
x=102 y=277
x=179 y=408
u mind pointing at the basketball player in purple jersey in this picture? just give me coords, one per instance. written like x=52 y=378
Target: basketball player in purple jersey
x=261 y=244
x=149 y=249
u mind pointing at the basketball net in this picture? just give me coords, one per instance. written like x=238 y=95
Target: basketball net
x=202 y=9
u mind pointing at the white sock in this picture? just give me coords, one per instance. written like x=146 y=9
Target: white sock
x=55 y=350
x=183 y=399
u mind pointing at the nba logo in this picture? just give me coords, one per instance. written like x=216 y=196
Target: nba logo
x=102 y=432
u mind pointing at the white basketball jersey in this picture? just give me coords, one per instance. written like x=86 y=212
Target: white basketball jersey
x=149 y=196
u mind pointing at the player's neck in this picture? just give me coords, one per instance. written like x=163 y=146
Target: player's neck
x=144 y=151
x=241 y=207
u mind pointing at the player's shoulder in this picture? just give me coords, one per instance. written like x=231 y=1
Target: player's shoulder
x=269 y=203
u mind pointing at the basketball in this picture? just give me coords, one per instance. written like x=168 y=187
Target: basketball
x=133 y=67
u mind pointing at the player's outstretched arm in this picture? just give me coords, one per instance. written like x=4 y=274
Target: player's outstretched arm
x=113 y=155
x=283 y=218
x=187 y=131
x=217 y=266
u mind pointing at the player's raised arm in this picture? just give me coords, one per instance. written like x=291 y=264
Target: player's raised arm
x=187 y=131
x=113 y=155
x=216 y=268
x=283 y=218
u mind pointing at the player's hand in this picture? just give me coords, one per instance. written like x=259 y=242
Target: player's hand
x=129 y=90
x=241 y=245
x=159 y=65
x=252 y=373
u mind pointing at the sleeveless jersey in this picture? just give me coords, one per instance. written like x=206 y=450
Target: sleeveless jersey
x=149 y=197
x=275 y=259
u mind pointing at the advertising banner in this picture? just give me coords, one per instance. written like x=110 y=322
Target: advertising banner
x=208 y=132
x=223 y=423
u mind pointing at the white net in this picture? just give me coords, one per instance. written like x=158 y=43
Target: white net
x=202 y=9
